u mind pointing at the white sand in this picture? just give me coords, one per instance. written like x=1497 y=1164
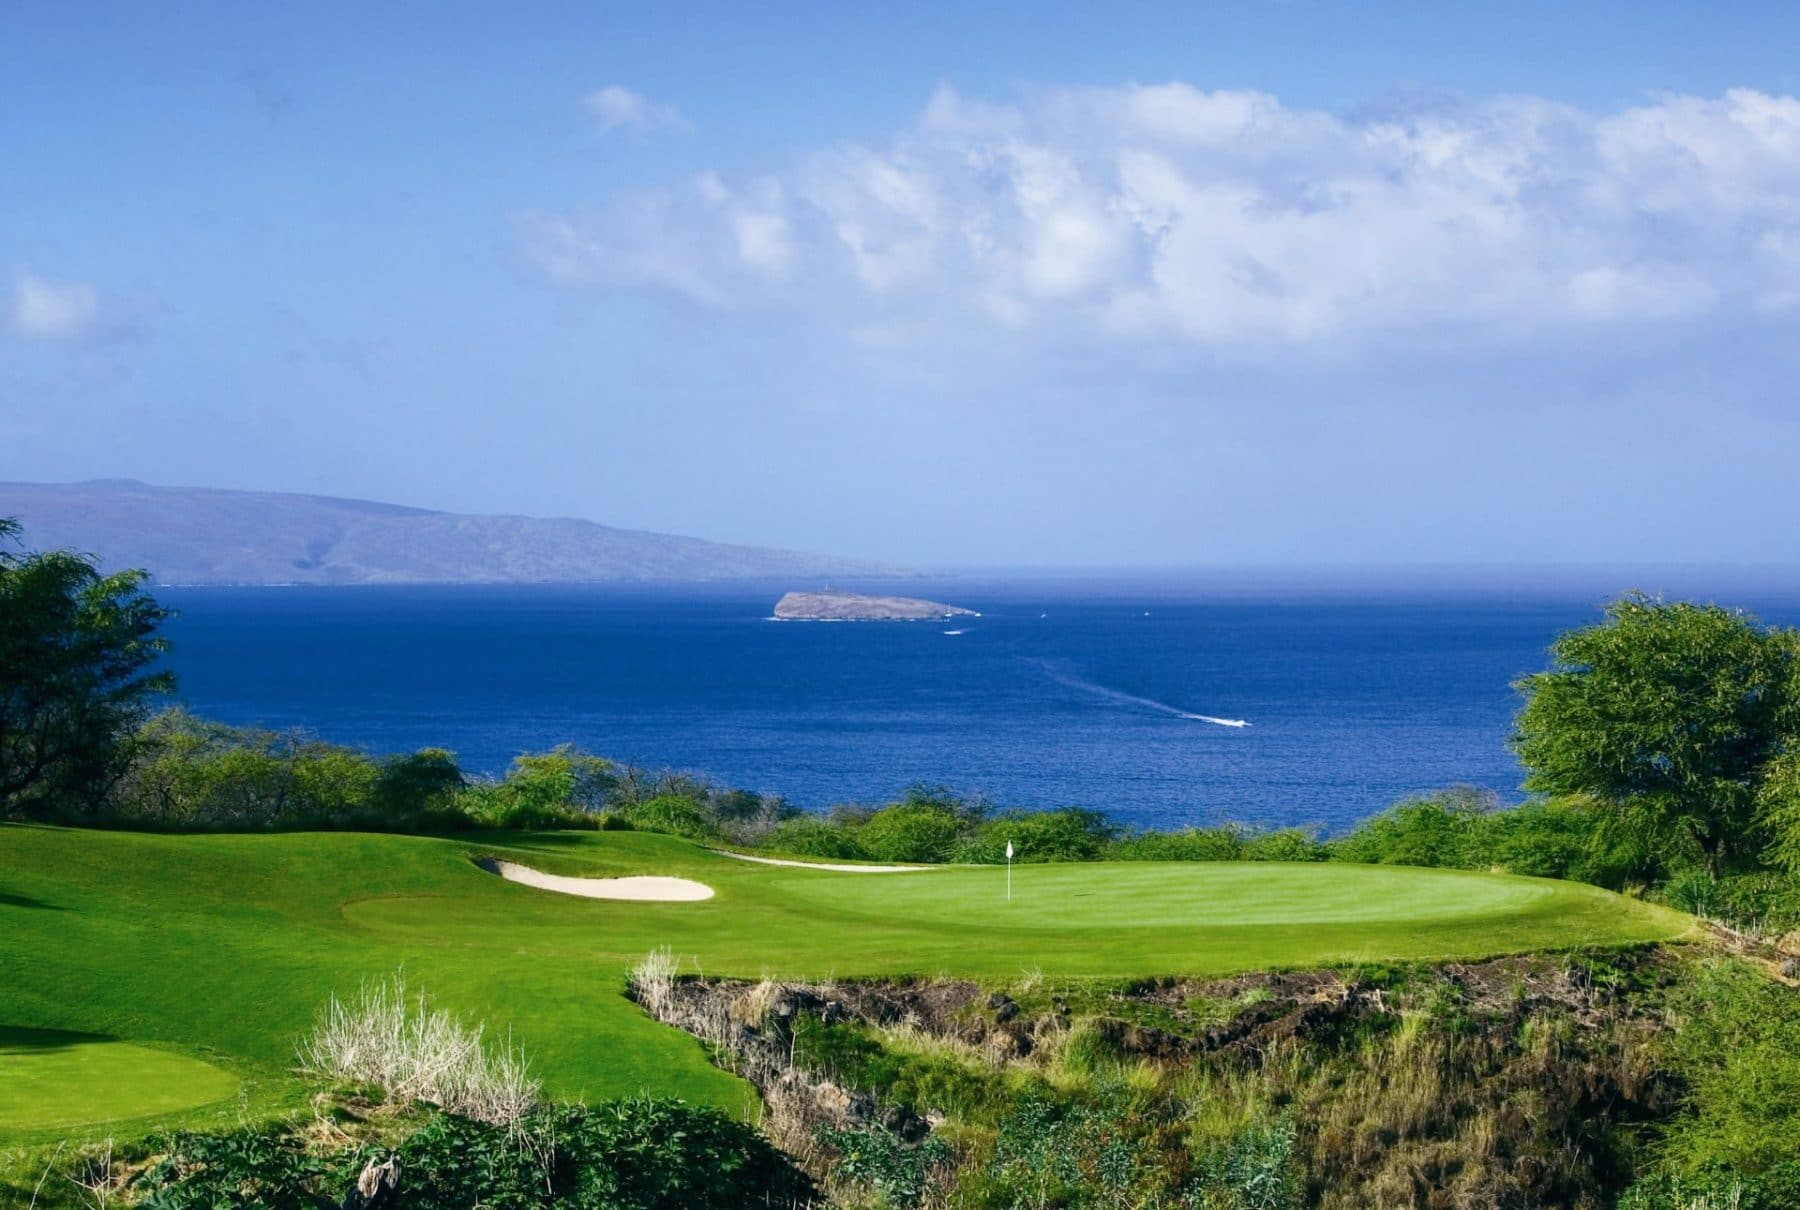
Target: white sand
x=820 y=865
x=642 y=887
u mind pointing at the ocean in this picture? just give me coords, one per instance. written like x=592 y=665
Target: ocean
x=1111 y=693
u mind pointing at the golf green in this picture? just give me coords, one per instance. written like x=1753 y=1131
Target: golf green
x=225 y=946
x=53 y=1079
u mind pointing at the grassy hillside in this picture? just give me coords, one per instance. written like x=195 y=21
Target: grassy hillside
x=220 y=948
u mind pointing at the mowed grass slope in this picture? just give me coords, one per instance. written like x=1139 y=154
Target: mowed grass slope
x=221 y=948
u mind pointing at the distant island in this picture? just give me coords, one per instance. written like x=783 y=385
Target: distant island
x=190 y=535
x=855 y=607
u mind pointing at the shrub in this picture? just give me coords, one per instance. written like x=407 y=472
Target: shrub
x=1712 y=1191
x=412 y=1052
x=1547 y=838
x=910 y=832
x=809 y=836
x=1285 y=844
x=1738 y=1050
x=1096 y=1151
x=416 y=785
x=901 y=1173
x=640 y=1154
x=1189 y=844
x=673 y=814
x=248 y=1169
x=1071 y=834
x=1763 y=902
x=190 y=773
x=1255 y=1170
x=1443 y=829
x=652 y=981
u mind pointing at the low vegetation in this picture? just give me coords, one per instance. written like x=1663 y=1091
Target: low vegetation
x=408 y=1051
x=1579 y=1080
x=644 y=1153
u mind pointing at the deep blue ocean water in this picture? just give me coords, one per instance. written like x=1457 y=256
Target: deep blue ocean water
x=1072 y=692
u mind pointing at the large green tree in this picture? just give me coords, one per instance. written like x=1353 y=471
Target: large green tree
x=1667 y=717
x=78 y=675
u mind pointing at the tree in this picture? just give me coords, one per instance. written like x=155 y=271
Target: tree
x=78 y=675
x=1665 y=718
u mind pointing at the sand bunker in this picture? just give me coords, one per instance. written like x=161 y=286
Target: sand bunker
x=820 y=865
x=644 y=888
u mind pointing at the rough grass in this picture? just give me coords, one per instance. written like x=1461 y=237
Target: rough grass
x=228 y=944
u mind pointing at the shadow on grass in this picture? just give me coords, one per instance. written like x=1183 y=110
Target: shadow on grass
x=9 y=899
x=16 y=1041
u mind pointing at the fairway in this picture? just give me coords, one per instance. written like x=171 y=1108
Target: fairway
x=223 y=947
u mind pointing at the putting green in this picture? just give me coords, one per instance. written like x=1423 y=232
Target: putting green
x=229 y=944
x=52 y=1079
x=1190 y=894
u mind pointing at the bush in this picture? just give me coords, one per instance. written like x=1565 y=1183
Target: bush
x=910 y=832
x=641 y=1154
x=412 y=1052
x=1712 y=1191
x=1764 y=902
x=1090 y=1152
x=1285 y=844
x=1548 y=838
x=1071 y=834
x=672 y=814
x=1255 y=1170
x=1189 y=844
x=645 y=1154
x=194 y=774
x=809 y=836
x=1443 y=829
x=902 y=1174
x=1738 y=1050
x=416 y=785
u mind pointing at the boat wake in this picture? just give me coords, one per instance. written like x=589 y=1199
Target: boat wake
x=1119 y=696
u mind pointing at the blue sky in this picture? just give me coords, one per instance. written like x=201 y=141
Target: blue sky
x=1254 y=283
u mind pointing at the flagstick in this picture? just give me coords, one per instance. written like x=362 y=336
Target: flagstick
x=1009 y=871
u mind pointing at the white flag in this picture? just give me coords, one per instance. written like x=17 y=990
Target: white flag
x=1009 y=850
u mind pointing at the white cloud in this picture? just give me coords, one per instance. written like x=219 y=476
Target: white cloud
x=1227 y=220
x=617 y=107
x=46 y=310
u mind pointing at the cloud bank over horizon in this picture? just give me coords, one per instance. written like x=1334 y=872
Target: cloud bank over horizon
x=1332 y=284
x=1227 y=223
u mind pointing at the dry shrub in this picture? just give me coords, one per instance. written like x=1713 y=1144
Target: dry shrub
x=652 y=981
x=398 y=1043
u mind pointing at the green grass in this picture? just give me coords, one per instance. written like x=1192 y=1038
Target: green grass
x=50 y=1079
x=222 y=947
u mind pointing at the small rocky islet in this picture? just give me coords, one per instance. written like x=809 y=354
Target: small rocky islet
x=856 y=607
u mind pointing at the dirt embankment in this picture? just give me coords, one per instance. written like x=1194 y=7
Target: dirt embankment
x=1499 y=1083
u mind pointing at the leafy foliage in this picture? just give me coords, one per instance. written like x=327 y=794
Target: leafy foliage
x=809 y=836
x=78 y=654
x=1071 y=834
x=902 y=1173
x=190 y=773
x=1666 y=717
x=1738 y=1050
x=910 y=832
x=1103 y=1149
x=244 y=1170
x=641 y=1154
x=1254 y=1170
